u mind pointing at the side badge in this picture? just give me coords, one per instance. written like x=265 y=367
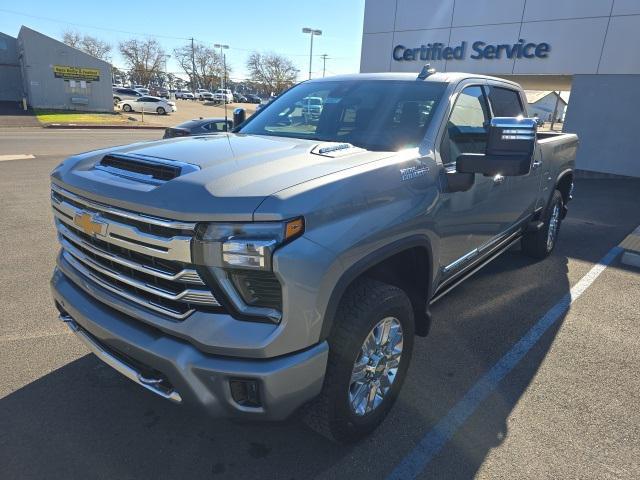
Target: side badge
x=410 y=173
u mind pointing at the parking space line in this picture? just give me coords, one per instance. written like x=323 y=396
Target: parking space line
x=433 y=441
x=19 y=156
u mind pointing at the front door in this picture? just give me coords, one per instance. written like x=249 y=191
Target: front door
x=466 y=221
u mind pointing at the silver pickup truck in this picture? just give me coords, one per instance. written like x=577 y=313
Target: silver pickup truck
x=288 y=266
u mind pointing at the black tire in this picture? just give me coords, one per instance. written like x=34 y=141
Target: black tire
x=126 y=107
x=363 y=306
x=540 y=244
x=161 y=111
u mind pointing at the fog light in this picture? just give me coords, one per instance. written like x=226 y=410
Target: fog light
x=245 y=393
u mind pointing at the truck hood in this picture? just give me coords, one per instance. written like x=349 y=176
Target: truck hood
x=235 y=173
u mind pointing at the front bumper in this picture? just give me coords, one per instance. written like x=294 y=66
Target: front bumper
x=181 y=372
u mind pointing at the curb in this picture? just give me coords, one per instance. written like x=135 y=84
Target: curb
x=102 y=127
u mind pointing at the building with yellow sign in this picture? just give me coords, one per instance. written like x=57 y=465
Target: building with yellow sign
x=50 y=74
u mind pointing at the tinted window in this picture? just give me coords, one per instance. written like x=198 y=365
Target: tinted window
x=466 y=130
x=505 y=102
x=378 y=115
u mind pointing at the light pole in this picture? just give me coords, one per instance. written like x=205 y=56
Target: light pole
x=224 y=74
x=311 y=32
x=324 y=57
x=224 y=60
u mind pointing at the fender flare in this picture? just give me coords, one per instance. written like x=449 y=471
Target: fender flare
x=563 y=173
x=364 y=264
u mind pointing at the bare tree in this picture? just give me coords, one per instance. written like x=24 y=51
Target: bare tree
x=144 y=58
x=88 y=44
x=208 y=65
x=275 y=72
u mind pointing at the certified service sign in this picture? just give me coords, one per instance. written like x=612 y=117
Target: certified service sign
x=76 y=73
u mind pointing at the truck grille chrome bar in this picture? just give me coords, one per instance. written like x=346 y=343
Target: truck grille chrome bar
x=147 y=263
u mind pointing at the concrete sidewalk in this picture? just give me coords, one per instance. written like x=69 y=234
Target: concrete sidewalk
x=12 y=115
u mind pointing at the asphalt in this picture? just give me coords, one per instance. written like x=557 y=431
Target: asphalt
x=569 y=409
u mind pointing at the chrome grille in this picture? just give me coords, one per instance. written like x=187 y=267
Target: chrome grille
x=145 y=260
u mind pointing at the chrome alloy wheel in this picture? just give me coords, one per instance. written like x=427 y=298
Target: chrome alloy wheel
x=376 y=367
x=554 y=223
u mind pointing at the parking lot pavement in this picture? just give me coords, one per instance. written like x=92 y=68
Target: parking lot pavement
x=568 y=409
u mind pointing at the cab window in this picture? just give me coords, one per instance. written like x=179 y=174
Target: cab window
x=505 y=102
x=466 y=130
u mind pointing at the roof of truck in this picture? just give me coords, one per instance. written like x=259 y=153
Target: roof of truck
x=446 y=77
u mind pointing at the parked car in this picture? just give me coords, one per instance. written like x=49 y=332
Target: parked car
x=223 y=95
x=144 y=91
x=252 y=98
x=199 y=126
x=203 y=94
x=185 y=95
x=283 y=266
x=239 y=98
x=124 y=94
x=147 y=104
x=160 y=92
x=311 y=107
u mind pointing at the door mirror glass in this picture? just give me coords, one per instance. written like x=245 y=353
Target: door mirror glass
x=511 y=136
x=510 y=145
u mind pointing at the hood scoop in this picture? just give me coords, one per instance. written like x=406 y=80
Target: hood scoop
x=335 y=150
x=144 y=169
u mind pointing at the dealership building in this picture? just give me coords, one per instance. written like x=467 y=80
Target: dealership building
x=586 y=46
x=47 y=73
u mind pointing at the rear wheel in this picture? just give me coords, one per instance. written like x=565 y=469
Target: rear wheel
x=370 y=348
x=540 y=244
x=161 y=111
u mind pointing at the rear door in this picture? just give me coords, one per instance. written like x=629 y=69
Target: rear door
x=506 y=101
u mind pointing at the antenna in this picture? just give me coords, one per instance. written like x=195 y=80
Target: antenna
x=426 y=71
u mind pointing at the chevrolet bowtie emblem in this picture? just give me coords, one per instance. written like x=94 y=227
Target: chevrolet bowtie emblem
x=88 y=225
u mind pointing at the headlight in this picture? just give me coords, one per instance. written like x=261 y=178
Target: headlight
x=248 y=245
x=238 y=258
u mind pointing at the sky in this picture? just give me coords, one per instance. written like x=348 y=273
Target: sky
x=264 y=26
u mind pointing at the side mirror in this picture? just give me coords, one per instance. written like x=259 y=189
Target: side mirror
x=239 y=116
x=510 y=146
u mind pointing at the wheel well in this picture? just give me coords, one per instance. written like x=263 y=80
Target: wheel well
x=564 y=186
x=408 y=270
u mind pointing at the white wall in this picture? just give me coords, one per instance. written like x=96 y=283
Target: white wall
x=586 y=36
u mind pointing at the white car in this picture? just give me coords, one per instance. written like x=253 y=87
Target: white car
x=185 y=95
x=223 y=95
x=147 y=104
x=203 y=94
x=143 y=91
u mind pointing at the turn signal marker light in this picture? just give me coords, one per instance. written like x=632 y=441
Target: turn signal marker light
x=294 y=228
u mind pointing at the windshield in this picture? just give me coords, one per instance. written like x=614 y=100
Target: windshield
x=372 y=114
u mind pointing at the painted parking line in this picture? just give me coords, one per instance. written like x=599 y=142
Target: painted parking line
x=19 y=156
x=429 y=446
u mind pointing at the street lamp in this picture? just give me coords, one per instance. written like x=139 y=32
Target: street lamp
x=224 y=74
x=224 y=60
x=311 y=32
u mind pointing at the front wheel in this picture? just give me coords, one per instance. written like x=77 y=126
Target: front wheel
x=370 y=348
x=126 y=107
x=540 y=244
x=160 y=111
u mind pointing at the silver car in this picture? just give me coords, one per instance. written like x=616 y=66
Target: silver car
x=120 y=94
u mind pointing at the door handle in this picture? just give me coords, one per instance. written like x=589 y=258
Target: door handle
x=498 y=179
x=536 y=164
